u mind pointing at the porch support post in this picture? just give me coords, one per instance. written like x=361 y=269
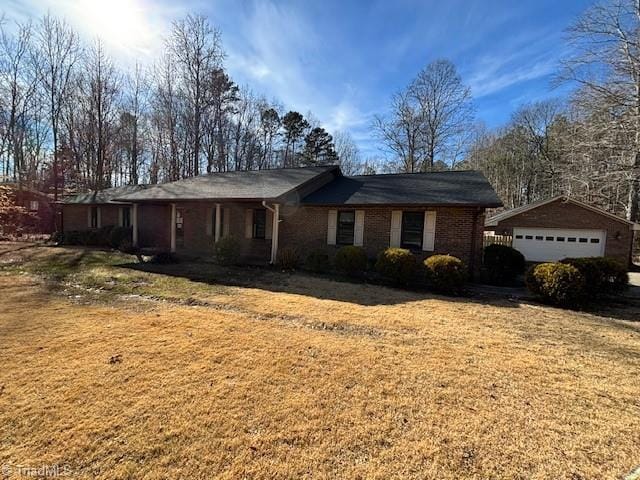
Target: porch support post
x=173 y=227
x=274 y=233
x=218 y=226
x=134 y=224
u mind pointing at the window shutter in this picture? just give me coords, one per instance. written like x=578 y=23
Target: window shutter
x=248 y=223
x=210 y=225
x=396 y=228
x=89 y=216
x=120 y=215
x=358 y=230
x=225 y=221
x=332 y=227
x=429 y=232
x=99 y=217
x=268 y=228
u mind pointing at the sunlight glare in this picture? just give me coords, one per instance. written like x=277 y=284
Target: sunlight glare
x=121 y=23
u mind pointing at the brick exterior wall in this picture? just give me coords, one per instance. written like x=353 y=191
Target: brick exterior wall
x=198 y=243
x=75 y=217
x=154 y=224
x=560 y=214
x=305 y=228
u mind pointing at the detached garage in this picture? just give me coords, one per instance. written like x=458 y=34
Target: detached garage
x=562 y=227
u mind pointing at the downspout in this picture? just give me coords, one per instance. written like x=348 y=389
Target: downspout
x=274 y=230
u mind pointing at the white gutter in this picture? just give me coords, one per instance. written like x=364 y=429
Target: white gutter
x=274 y=230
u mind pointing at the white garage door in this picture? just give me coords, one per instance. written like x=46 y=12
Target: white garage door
x=552 y=244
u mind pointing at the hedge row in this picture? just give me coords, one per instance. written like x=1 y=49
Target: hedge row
x=107 y=236
x=398 y=266
x=574 y=282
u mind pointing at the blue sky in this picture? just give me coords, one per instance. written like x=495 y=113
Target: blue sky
x=342 y=60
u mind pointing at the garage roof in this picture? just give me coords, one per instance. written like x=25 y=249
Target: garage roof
x=496 y=219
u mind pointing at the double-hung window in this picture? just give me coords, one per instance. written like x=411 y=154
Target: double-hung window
x=93 y=217
x=412 y=230
x=126 y=217
x=259 y=223
x=345 y=227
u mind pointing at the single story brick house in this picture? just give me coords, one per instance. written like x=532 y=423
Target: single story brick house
x=560 y=227
x=305 y=209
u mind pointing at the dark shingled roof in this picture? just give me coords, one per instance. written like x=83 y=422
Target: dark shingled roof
x=239 y=185
x=108 y=195
x=434 y=188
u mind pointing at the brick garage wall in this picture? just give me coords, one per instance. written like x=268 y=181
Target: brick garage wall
x=560 y=214
x=305 y=229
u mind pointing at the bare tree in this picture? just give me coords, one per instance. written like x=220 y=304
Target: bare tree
x=197 y=50
x=606 y=63
x=349 y=157
x=58 y=50
x=401 y=132
x=445 y=110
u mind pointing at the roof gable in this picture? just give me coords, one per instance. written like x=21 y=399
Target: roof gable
x=496 y=219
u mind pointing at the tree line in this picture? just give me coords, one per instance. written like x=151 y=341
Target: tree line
x=71 y=118
x=586 y=145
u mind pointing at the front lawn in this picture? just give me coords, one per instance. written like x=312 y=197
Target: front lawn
x=197 y=371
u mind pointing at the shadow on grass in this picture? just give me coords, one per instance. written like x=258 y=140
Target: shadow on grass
x=318 y=286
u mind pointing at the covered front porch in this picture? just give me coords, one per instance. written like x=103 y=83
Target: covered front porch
x=192 y=228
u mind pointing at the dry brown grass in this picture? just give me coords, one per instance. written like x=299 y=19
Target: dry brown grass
x=309 y=378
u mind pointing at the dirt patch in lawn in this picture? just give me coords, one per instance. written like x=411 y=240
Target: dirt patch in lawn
x=129 y=381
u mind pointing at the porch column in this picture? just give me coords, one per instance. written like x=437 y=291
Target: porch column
x=274 y=233
x=173 y=227
x=134 y=224
x=217 y=227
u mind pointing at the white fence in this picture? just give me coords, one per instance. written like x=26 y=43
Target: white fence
x=491 y=239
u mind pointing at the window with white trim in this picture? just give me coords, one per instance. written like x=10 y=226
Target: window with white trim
x=412 y=230
x=346 y=227
x=34 y=205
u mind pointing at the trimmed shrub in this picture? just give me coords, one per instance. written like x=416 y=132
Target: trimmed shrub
x=397 y=264
x=445 y=273
x=119 y=235
x=164 y=258
x=318 y=261
x=502 y=264
x=226 y=251
x=602 y=275
x=351 y=260
x=557 y=283
x=288 y=258
x=75 y=237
